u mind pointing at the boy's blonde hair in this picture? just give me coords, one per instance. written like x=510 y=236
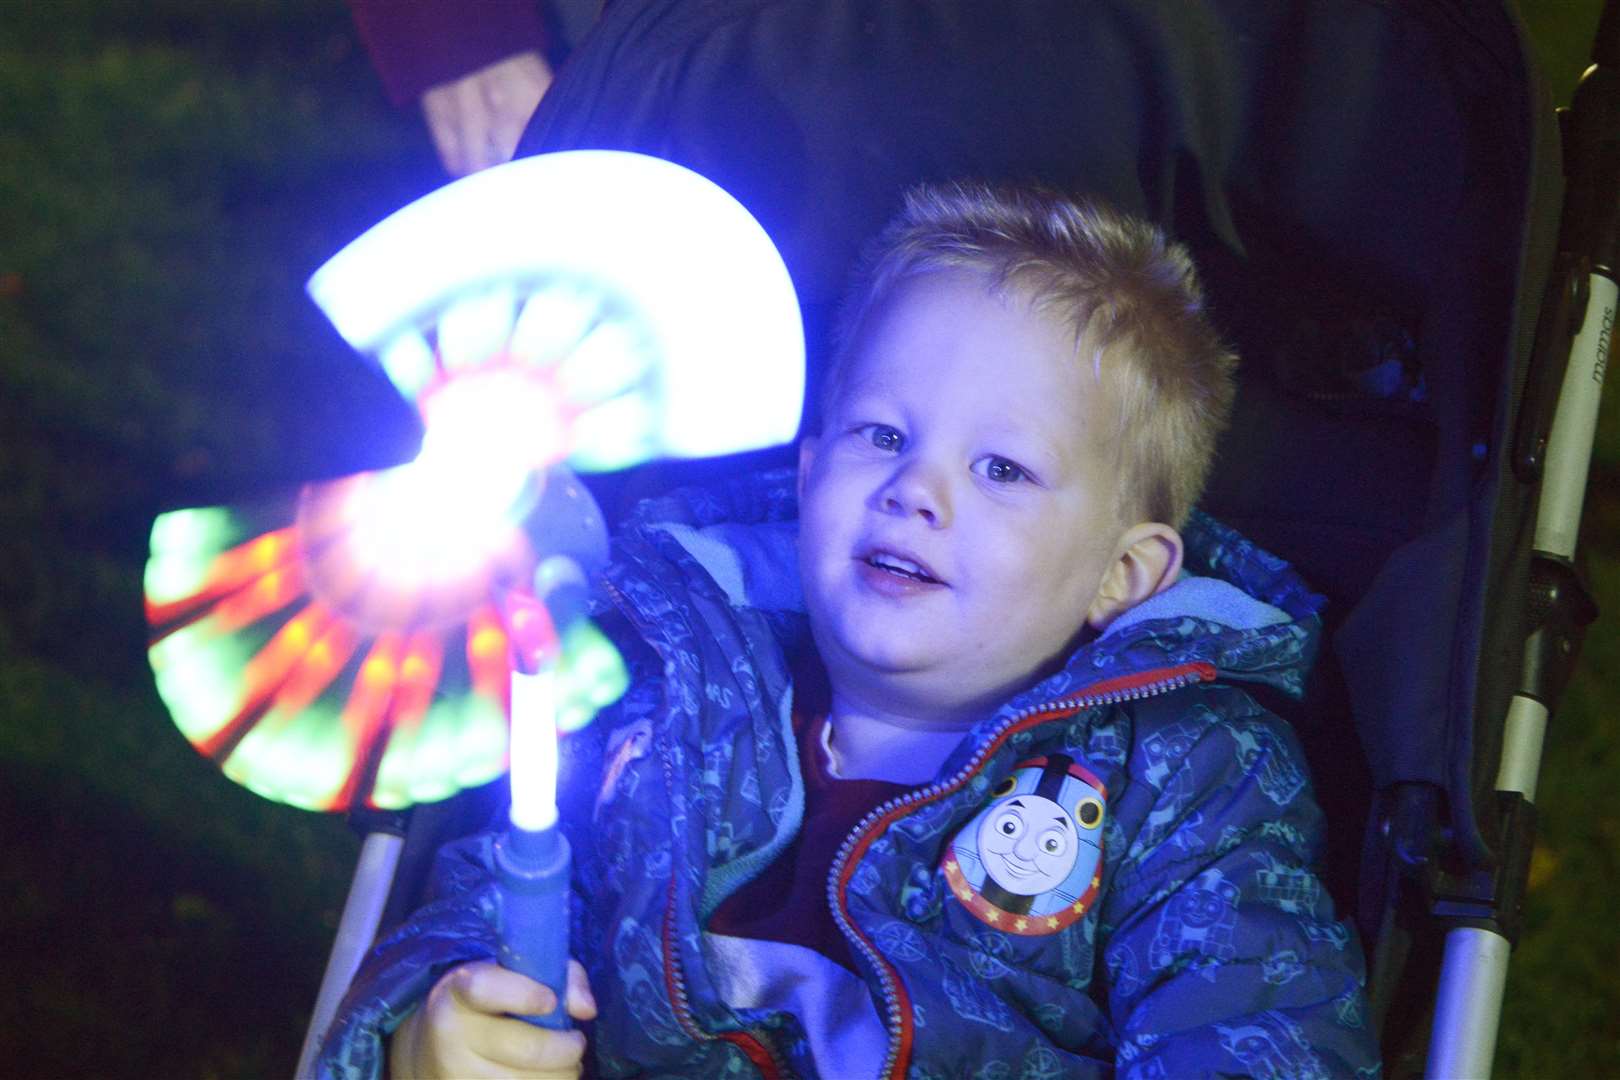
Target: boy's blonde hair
x=1132 y=297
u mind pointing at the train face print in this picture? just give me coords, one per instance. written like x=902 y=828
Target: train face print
x=1031 y=861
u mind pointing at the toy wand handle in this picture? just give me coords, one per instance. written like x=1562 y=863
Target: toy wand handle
x=533 y=870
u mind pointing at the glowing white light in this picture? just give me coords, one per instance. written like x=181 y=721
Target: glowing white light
x=713 y=298
x=615 y=435
x=445 y=513
x=503 y=413
x=474 y=326
x=553 y=321
x=408 y=361
x=414 y=524
x=534 y=750
x=609 y=361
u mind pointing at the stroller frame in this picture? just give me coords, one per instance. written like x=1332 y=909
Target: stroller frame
x=1553 y=448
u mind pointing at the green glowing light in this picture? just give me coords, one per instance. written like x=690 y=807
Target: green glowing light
x=301 y=759
x=183 y=545
x=198 y=673
x=435 y=758
x=592 y=673
x=401 y=760
x=480 y=745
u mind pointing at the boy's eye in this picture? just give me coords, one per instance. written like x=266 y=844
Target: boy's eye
x=883 y=437
x=1000 y=470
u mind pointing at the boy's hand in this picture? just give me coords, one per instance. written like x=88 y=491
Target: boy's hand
x=461 y=1030
x=477 y=120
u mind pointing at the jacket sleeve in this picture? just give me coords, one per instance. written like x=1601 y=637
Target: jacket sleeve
x=1222 y=952
x=457 y=924
x=456 y=928
x=417 y=44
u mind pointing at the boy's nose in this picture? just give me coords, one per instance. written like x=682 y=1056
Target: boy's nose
x=917 y=487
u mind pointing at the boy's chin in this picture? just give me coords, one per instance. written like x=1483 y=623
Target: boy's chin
x=929 y=691
x=896 y=658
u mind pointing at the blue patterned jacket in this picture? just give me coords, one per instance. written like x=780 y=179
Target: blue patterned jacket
x=1189 y=937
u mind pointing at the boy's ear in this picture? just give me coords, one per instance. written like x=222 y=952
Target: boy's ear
x=1148 y=562
x=807 y=456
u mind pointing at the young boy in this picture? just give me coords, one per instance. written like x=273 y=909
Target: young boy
x=986 y=797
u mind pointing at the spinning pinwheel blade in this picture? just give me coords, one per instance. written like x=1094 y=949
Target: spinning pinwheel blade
x=395 y=636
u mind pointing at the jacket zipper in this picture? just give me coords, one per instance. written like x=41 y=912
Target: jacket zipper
x=897 y=1002
x=758 y=1050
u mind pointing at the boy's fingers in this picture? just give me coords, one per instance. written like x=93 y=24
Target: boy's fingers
x=522 y=1049
x=581 y=1002
x=486 y=987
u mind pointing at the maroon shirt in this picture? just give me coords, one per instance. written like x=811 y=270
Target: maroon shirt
x=788 y=902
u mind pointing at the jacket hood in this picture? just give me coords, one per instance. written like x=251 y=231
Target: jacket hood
x=1236 y=607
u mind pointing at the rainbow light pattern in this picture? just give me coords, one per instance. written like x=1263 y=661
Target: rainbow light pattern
x=345 y=647
x=348 y=645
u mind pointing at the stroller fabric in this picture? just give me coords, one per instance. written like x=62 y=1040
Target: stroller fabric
x=1354 y=178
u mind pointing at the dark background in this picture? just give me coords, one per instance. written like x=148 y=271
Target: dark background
x=170 y=173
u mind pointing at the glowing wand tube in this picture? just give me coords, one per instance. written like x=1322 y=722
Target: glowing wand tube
x=534 y=744
x=532 y=861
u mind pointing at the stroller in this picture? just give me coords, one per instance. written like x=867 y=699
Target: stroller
x=1370 y=191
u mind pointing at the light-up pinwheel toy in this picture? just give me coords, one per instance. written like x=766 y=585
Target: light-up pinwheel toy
x=371 y=641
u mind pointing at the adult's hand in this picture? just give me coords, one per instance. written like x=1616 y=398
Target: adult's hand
x=476 y=120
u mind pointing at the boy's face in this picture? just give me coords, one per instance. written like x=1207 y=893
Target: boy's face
x=958 y=509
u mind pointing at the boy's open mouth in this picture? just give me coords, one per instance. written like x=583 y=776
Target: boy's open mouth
x=901 y=567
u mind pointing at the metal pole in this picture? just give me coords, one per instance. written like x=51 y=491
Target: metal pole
x=362 y=911
x=1472 y=977
x=1474 y=968
x=1521 y=747
x=1569 y=444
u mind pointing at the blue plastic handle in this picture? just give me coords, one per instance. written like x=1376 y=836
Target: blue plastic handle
x=532 y=873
